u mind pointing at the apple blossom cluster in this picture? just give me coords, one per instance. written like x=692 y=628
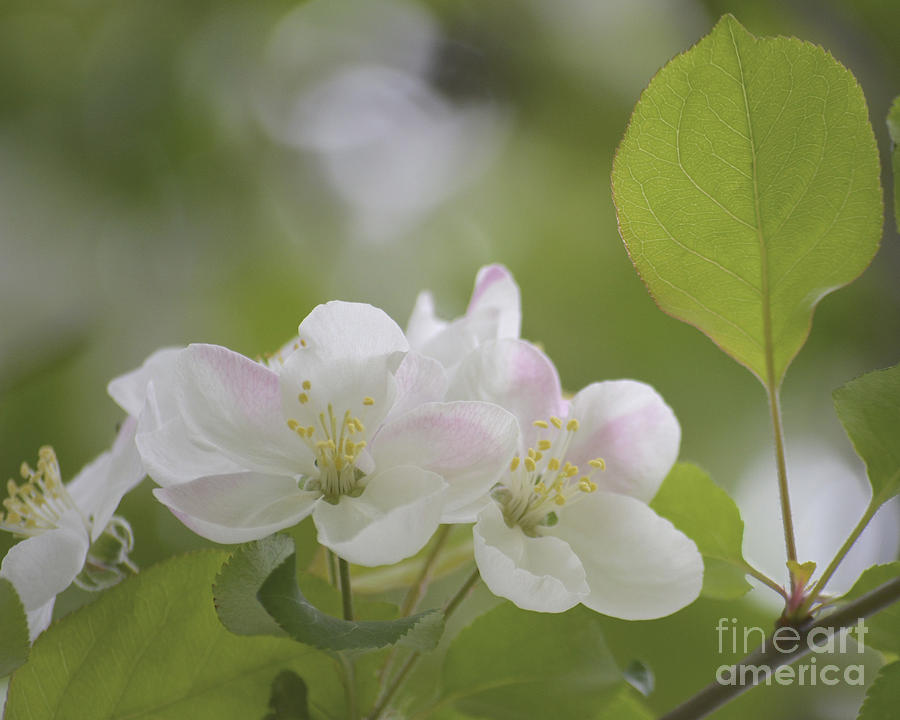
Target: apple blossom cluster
x=381 y=436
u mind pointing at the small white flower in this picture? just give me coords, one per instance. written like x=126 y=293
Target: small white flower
x=61 y=522
x=494 y=312
x=347 y=429
x=568 y=522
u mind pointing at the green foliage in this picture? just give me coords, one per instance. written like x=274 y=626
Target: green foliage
x=289 y=698
x=884 y=627
x=13 y=629
x=511 y=664
x=869 y=408
x=152 y=647
x=883 y=695
x=893 y=123
x=705 y=513
x=281 y=597
x=747 y=188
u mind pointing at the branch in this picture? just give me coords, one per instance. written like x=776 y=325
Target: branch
x=715 y=695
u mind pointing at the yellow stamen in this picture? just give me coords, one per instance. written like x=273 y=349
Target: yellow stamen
x=529 y=464
x=572 y=425
x=303 y=398
x=598 y=463
x=514 y=464
x=541 y=424
x=557 y=423
x=307 y=384
x=544 y=445
x=368 y=401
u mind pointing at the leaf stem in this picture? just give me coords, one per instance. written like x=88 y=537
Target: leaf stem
x=347 y=662
x=331 y=559
x=411 y=661
x=764 y=579
x=786 y=517
x=768 y=657
x=417 y=589
x=874 y=504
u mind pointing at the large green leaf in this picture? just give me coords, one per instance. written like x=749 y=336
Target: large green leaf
x=883 y=627
x=707 y=515
x=869 y=408
x=511 y=664
x=747 y=188
x=893 y=123
x=883 y=696
x=13 y=629
x=152 y=648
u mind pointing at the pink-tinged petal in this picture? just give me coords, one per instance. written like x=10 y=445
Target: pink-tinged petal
x=423 y=324
x=315 y=387
x=638 y=565
x=42 y=566
x=536 y=573
x=629 y=426
x=130 y=390
x=469 y=444
x=393 y=518
x=238 y=508
x=515 y=375
x=461 y=337
x=234 y=404
x=420 y=380
x=345 y=329
x=39 y=618
x=497 y=292
x=100 y=486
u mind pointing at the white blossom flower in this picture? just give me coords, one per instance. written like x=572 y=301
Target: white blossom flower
x=62 y=522
x=347 y=429
x=568 y=522
x=494 y=312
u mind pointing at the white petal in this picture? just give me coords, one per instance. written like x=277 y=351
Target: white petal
x=396 y=514
x=314 y=385
x=130 y=390
x=42 y=566
x=638 y=565
x=469 y=444
x=629 y=426
x=344 y=329
x=420 y=380
x=100 y=486
x=497 y=292
x=238 y=508
x=39 y=620
x=423 y=324
x=461 y=337
x=536 y=573
x=170 y=456
x=234 y=404
x=515 y=375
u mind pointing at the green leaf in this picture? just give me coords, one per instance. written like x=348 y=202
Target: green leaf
x=883 y=627
x=512 y=664
x=283 y=600
x=893 y=123
x=289 y=698
x=705 y=513
x=151 y=647
x=883 y=695
x=869 y=409
x=13 y=629
x=747 y=188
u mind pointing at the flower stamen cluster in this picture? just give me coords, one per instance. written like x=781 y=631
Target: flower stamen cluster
x=40 y=502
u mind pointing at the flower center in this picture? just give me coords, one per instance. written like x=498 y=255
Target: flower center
x=544 y=481
x=336 y=441
x=40 y=502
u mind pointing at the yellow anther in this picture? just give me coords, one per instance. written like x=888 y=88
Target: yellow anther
x=514 y=464
x=368 y=401
x=598 y=463
x=572 y=471
x=559 y=500
x=529 y=464
x=553 y=465
x=572 y=425
x=538 y=456
x=307 y=384
x=541 y=424
x=544 y=445
x=296 y=346
x=540 y=489
x=584 y=485
x=303 y=398
x=557 y=423
x=310 y=431
x=303 y=343
x=293 y=424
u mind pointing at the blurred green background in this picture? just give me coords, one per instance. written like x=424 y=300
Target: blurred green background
x=209 y=171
